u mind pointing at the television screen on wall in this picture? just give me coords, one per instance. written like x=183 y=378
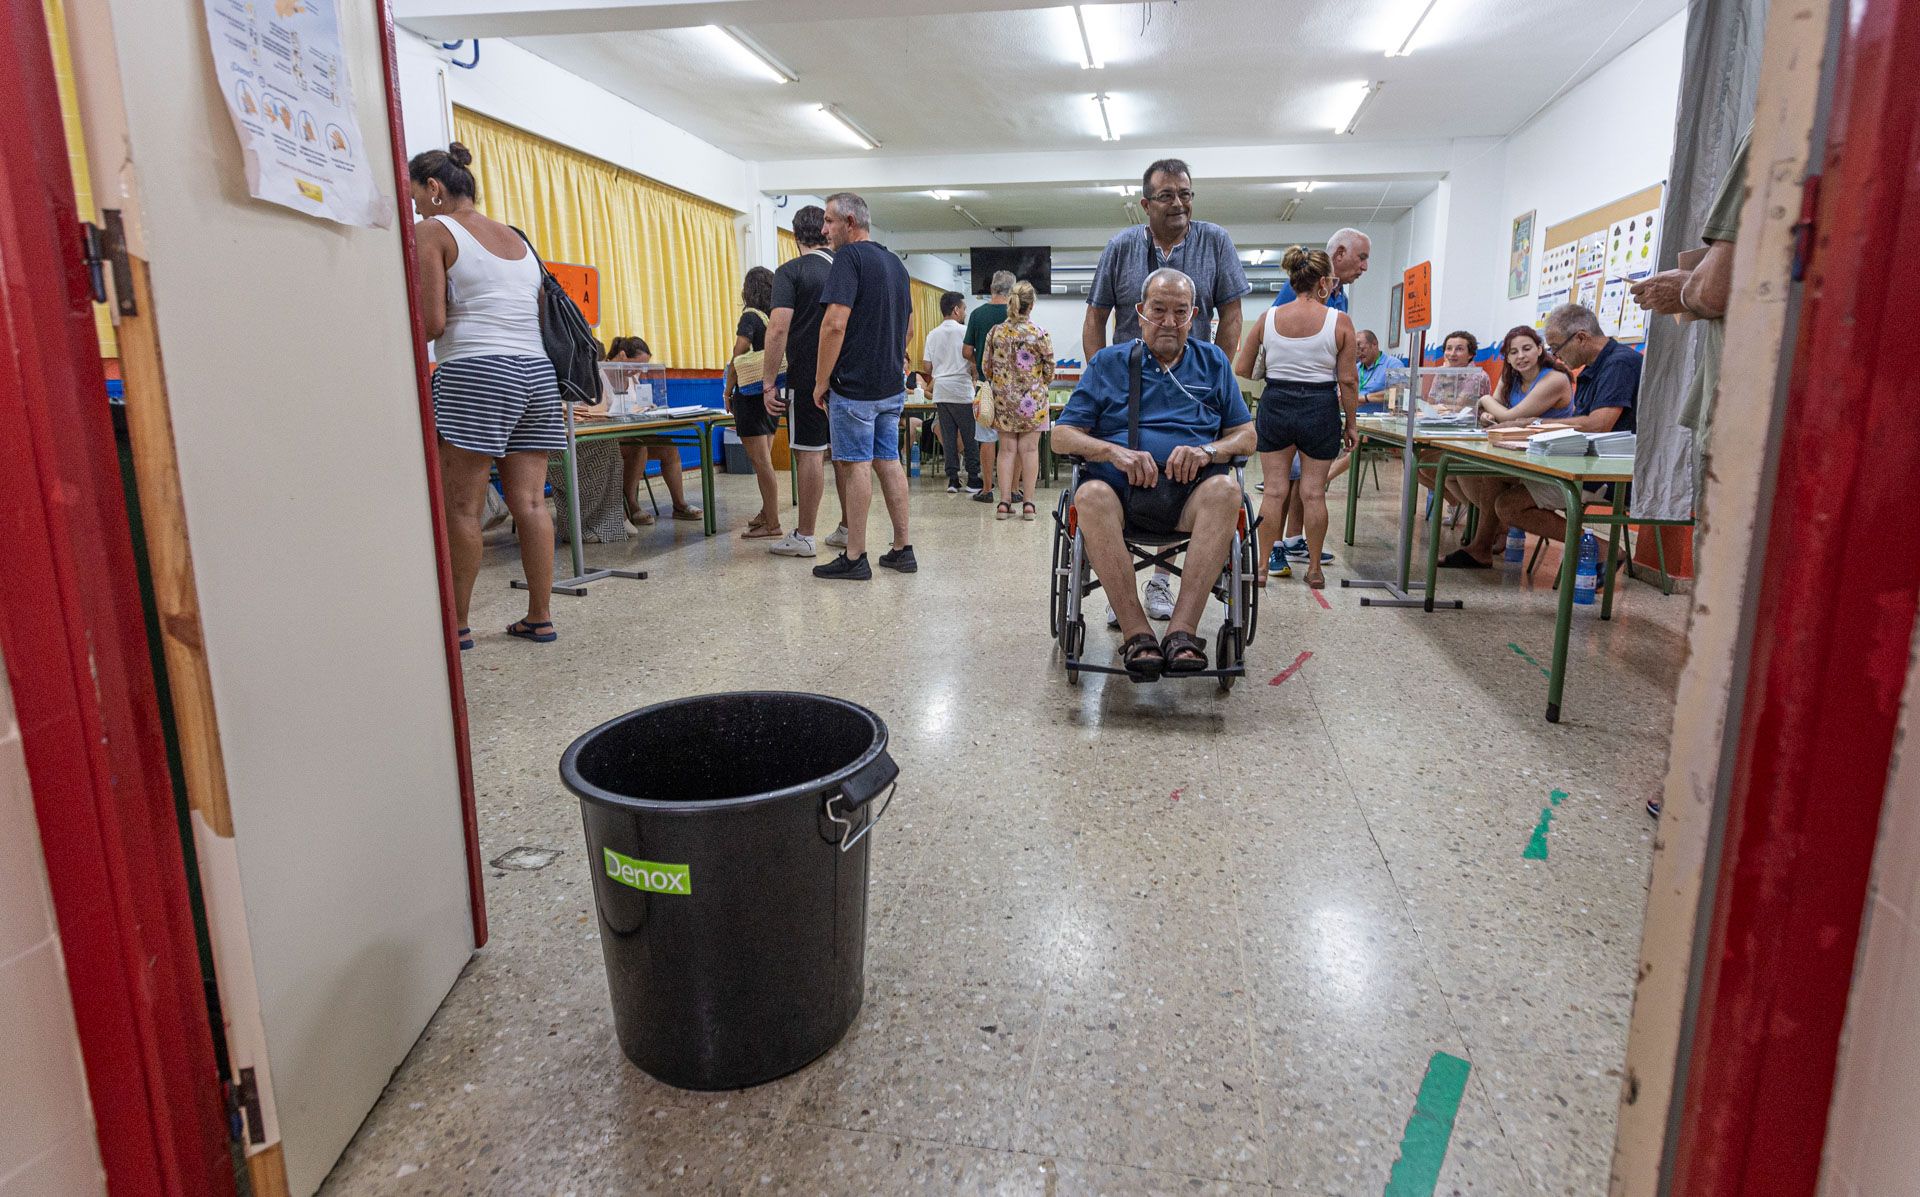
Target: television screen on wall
x=1030 y=263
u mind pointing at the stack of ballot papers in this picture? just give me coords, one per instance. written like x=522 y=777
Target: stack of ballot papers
x=1558 y=442
x=1611 y=444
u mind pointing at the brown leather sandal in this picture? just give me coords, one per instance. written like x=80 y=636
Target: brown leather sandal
x=1184 y=652
x=1143 y=658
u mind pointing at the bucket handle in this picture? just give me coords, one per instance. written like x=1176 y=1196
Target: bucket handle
x=860 y=789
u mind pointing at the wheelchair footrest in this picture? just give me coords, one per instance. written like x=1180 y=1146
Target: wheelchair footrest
x=1121 y=671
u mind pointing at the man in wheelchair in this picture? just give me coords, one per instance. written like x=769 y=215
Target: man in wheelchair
x=1159 y=466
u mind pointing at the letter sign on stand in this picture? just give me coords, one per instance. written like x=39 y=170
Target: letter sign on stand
x=1417 y=307
x=582 y=285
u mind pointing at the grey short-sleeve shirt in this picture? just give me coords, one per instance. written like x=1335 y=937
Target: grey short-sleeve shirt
x=1206 y=255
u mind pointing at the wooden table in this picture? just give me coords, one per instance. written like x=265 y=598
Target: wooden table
x=639 y=428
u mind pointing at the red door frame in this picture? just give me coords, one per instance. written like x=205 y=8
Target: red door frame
x=75 y=643
x=1829 y=656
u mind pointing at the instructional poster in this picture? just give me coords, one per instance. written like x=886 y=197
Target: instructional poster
x=1596 y=257
x=284 y=77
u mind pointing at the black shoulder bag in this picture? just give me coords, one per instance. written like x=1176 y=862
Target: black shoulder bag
x=568 y=338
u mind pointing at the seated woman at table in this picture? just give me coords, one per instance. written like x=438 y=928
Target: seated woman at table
x=1452 y=392
x=634 y=455
x=1533 y=386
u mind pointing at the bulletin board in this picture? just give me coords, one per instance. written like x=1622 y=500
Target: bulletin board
x=1594 y=257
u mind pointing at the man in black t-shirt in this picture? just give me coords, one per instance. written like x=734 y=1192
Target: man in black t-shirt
x=859 y=382
x=795 y=331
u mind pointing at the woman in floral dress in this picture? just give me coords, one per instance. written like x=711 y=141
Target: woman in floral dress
x=1020 y=367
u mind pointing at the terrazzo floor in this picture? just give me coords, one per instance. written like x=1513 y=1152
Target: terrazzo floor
x=1124 y=939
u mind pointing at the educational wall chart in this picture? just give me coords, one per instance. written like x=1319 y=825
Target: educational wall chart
x=1594 y=258
x=284 y=76
x=1520 y=257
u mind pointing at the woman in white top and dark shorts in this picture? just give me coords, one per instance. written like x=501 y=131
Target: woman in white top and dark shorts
x=1309 y=406
x=495 y=398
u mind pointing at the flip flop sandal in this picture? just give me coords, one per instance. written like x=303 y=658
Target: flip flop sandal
x=1461 y=559
x=1003 y=512
x=466 y=639
x=1134 y=654
x=1316 y=580
x=686 y=514
x=1027 y=511
x=1179 y=649
x=531 y=631
x=762 y=532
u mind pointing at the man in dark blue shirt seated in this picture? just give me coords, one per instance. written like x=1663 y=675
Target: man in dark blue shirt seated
x=1603 y=400
x=1193 y=422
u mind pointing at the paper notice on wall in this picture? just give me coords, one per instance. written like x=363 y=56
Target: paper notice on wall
x=1593 y=253
x=1548 y=302
x=1609 y=309
x=284 y=76
x=1633 y=321
x=1644 y=254
x=1586 y=291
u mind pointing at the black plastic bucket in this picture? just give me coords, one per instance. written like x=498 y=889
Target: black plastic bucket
x=727 y=836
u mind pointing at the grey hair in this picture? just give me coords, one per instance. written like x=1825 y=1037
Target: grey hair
x=1346 y=237
x=853 y=209
x=1168 y=274
x=1367 y=334
x=1571 y=318
x=1002 y=283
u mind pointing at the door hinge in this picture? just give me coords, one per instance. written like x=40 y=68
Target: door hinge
x=106 y=246
x=1804 y=228
x=245 y=1121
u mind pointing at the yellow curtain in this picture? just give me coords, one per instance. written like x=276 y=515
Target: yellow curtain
x=789 y=247
x=669 y=262
x=926 y=318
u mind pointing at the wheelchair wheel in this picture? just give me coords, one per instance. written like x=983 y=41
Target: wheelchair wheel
x=1075 y=642
x=1057 y=594
x=1250 y=602
x=1226 y=654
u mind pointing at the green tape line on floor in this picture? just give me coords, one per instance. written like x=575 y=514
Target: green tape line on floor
x=1423 y=1148
x=1537 y=846
x=1528 y=658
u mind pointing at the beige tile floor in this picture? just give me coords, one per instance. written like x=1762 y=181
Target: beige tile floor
x=1077 y=983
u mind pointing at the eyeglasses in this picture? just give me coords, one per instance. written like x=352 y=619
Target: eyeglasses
x=1160 y=315
x=1555 y=349
x=1167 y=197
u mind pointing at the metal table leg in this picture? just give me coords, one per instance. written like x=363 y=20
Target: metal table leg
x=1563 y=619
x=1436 y=517
x=706 y=478
x=1613 y=550
x=1353 y=487
x=576 y=584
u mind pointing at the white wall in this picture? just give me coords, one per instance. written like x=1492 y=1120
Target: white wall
x=47 y=1140
x=1607 y=138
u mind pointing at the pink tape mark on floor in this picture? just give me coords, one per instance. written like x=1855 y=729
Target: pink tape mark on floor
x=1321 y=599
x=1290 y=670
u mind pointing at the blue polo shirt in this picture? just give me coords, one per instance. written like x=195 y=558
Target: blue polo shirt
x=1337 y=301
x=1191 y=405
x=1610 y=380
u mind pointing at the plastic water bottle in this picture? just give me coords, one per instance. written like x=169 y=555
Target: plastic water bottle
x=1586 y=575
x=1516 y=546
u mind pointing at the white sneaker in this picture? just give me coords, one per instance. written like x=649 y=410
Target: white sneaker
x=837 y=539
x=1159 y=597
x=792 y=545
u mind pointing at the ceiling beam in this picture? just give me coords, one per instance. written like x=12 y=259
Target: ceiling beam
x=1246 y=236
x=1330 y=161
x=448 y=19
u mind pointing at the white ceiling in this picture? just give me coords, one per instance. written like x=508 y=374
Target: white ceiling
x=1181 y=73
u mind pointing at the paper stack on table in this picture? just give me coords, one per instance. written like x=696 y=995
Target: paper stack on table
x=1558 y=442
x=1612 y=444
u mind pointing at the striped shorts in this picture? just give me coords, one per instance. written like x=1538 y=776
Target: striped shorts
x=499 y=405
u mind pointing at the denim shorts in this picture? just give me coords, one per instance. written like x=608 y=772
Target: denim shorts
x=865 y=429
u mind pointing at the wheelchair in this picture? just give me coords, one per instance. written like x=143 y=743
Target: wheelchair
x=1074 y=580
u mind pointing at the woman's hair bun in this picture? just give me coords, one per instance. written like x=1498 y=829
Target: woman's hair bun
x=1293 y=259
x=461 y=155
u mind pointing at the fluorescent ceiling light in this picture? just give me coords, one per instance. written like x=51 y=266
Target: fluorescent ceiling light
x=971 y=218
x=1406 y=43
x=1359 y=96
x=1089 y=61
x=942 y=196
x=866 y=138
x=1124 y=189
x=754 y=53
x=1305 y=187
x=1286 y=213
x=1106 y=119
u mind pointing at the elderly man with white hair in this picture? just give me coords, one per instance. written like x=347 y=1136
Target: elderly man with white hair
x=1192 y=423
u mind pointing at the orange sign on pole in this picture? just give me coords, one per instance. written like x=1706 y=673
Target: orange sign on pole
x=1418 y=304
x=582 y=284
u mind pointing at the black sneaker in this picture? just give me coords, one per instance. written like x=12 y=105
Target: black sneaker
x=841 y=568
x=985 y=496
x=900 y=559
x=953 y=486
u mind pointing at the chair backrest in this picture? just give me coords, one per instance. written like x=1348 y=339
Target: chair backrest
x=1135 y=360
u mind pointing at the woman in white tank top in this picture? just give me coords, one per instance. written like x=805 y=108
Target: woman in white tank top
x=1310 y=403
x=495 y=398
